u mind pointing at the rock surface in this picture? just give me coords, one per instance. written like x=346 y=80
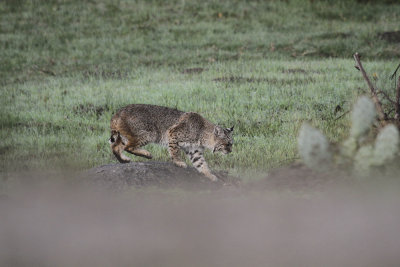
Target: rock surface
x=117 y=177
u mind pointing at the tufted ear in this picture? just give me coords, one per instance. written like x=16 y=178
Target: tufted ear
x=230 y=129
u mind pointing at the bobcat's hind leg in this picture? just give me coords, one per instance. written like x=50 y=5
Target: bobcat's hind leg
x=117 y=150
x=139 y=152
x=133 y=146
x=117 y=145
x=198 y=161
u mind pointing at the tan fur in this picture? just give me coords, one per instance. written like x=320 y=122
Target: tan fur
x=134 y=126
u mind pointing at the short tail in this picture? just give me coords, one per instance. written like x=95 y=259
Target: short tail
x=114 y=136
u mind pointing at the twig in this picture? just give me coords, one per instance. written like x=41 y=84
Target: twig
x=386 y=97
x=393 y=76
x=341 y=116
x=49 y=72
x=397 y=104
x=395 y=72
x=45 y=71
x=382 y=116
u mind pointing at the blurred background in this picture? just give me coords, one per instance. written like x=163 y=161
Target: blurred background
x=110 y=38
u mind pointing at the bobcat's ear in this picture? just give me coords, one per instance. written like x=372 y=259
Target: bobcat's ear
x=230 y=129
x=218 y=131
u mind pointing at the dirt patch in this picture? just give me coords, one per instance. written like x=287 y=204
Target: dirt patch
x=391 y=37
x=90 y=108
x=293 y=71
x=299 y=70
x=298 y=177
x=117 y=177
x=193 y=71
x=4 y=149
x=238 y=79
x=105 y=74
x=334 y=35
x=43 y=127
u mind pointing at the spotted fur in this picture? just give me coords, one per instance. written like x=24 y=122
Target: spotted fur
x=134 y=126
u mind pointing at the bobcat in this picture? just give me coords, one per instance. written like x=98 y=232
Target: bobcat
x=137 y=125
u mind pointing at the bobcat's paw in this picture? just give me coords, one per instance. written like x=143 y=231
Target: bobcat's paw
x=147 y=155
x=122 y=158
x=212 y=177
x=180 y=164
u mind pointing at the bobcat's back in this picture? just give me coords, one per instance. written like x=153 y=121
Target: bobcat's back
x=137 y=120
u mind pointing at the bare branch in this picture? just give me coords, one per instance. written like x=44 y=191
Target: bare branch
x=395 y=72
x=382 y=116
x=379 y=92
x=397 y=104
x=341 y=116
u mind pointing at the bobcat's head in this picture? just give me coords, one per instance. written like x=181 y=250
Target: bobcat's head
x=223 y=139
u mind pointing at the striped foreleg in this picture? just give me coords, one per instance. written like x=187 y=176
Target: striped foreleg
x=198 y=161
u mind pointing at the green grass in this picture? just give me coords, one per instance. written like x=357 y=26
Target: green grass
x=70 y=37
x=66 y=66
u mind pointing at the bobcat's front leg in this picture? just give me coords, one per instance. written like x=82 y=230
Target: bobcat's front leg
x=173 y=150
x=174 y=136
x=198 y=161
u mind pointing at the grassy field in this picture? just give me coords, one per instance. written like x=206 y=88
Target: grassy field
x=263 y=66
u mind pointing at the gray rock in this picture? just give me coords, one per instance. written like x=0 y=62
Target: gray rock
x=118 y=177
